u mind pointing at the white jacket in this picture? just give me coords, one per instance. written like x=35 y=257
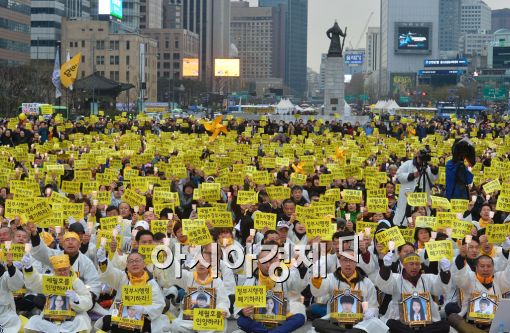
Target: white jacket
x=396 y=285
x=9 y=319
x=408 y=186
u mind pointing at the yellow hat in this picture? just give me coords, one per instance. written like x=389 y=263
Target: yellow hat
x=46 y=238
x=61 y=261
x=71 y=234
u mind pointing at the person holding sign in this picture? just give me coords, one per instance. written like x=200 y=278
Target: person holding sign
x=78 y=298
x=80 y=263
x=410 y=281
x=351 y=277
x=497 y=253
x=268 y=264
x=136 y=275
x=483 y=280
x=11 y=280
x=201 y=276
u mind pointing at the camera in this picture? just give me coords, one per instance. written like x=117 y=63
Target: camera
x=424 y=155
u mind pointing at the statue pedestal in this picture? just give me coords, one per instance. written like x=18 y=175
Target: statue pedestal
x=334 y=88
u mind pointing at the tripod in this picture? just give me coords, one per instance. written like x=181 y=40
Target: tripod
x=421 y=186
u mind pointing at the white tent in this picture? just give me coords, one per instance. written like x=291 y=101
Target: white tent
x=285 y=106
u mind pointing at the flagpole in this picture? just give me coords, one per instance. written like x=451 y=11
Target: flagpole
x=60 y=62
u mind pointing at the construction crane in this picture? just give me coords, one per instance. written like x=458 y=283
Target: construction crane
x=363 y=32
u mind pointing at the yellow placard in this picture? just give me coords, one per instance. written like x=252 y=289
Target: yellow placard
x=503 y=203
x=319 y=228
x=56 y=285
x=377 y=205
x=352 y=196
x=439 y=250
x=461 y=228
x=146 y=252
x=14 y=208
x=417 y=199
x=459 y=205
x=264 y=220
x=208 y=320
x=247 y=197
x=246 y=296
x=137 y=295
x=362 y=226
x=109 y=223
x=440 y=202
x=426 y=222
x=408 y=234
x=132 y=198
x=188 y=224
x=199 y=236
x=492 y=186
x=497 y=233
x=38 y=211
x=298 y=179
x=70 y=187
x=159 y=226
x=444 y=219
x=391 y=234
x=278 y=192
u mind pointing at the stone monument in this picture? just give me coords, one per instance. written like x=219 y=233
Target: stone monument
x=334 y=75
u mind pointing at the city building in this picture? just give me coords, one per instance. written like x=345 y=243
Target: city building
x=115 y=54
x=372 y=49
x=210 y=19
x=151 y=14
x=498 y=56
x=313 y=84
x=474 y=44
x=409 y=35
x=131 y=13
x=172 y=14
x=251 y=31
x=295 y=13
x=77 y=8
x=46 y=24
x=173 y=46
x=500 y=19
x=449 y=24
x=14 y=32
x=475 y=17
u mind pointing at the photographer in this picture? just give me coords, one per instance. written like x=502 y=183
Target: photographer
x=458 y=174
x=415 y=175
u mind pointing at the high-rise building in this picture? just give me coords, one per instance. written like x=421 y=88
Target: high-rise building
x=409 y=35
x=172 y=14
x=449 y=24
x=372 y=49
x=174 y=45
x=499 y=51
x=151 y=14
x=14 y=32
x=46 y=20
x=131 y=13
x=500 y=19
x=252 y=32
x=46 y=28
x=474 y=44
x=475 y=17
x=210 y=19
x=115 y=54
x=77 y=8
x=296 y=37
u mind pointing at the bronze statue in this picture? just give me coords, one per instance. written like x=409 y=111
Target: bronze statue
x=334 y=33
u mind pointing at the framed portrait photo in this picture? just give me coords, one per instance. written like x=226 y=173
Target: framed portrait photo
x=127 y=317
x=275 y=311
x=482 y=308
x=198 y=298
x=345 y=306
x=58 y=308
x=416 y=309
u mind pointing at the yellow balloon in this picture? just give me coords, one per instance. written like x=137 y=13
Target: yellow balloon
x=22 y=116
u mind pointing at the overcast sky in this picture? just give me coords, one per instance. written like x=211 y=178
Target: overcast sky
x=351 y=13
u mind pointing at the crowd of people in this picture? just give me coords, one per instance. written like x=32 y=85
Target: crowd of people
x=84 y=204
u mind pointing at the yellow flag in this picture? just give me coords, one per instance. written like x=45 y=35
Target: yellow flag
x=69 y=71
